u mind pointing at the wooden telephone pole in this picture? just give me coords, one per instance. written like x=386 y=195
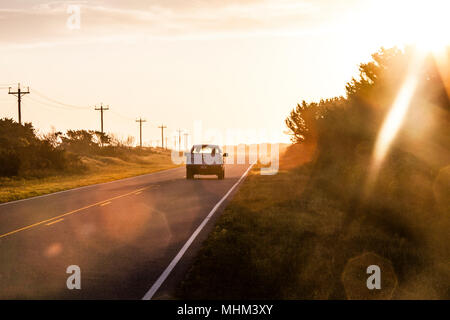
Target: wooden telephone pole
x=179 y=139
x=102 y=108
x=19 y=93
x=162 y=127
x=186 y=135
x=140 y=120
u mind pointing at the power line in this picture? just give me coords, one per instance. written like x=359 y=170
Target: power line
x=6 y=86
x=121 y=115
x=46 y=104
x=8 y=107
x=74 y=106
x=19 y=93
x=140 y=120
x=54 y=104
x=58 y=102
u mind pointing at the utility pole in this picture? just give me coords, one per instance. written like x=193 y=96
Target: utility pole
x=186 y=135
x=166 y=143
x=102 y=108
x=140 y=120
x=179 y=139
x=19 y=93
x=162 y=127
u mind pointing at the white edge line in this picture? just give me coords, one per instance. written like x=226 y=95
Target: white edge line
x=85 y=187
x=150 y=293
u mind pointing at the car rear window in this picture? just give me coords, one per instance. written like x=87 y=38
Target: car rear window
x=204 y=149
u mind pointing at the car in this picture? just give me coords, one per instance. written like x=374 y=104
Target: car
x=205 y=159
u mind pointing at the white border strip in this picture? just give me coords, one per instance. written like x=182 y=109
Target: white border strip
x=88 y=186
x=149 y=295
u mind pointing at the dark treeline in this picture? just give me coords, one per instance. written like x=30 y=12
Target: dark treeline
x=25 y=153
x=404 y=216
x=312 y=230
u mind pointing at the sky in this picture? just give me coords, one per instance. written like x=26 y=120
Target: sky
x=237 y=65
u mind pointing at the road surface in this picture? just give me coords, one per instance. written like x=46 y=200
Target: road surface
x=122 y=235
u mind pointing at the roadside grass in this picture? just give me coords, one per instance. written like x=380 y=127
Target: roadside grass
x=97 y=169
x=305 y=234
x=261 y=244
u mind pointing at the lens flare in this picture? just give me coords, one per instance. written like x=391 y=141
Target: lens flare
x=394 y=119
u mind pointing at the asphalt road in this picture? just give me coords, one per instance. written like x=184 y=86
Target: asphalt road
x=122 y=235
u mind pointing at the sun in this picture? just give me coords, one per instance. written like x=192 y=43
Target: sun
x=421 y=23
x=429 y=28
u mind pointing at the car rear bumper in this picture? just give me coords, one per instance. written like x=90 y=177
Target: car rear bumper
x=205 y=169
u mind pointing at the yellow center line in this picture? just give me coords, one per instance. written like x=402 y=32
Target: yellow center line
x=138 y=192
x=69 y=213
x=53 y=222
x=105 y=204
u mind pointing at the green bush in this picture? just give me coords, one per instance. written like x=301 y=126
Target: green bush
x=9 y=163
x=23 y=153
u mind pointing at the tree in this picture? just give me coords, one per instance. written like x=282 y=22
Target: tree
x=22 y=152
x=79 y=141
x=101 y=138
x=302 y=121
x=53 y=137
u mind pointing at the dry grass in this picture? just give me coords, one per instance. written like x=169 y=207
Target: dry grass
x=98 y=169
x=305 y=234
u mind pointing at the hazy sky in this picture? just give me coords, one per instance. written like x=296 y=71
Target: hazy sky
x=230 y=63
